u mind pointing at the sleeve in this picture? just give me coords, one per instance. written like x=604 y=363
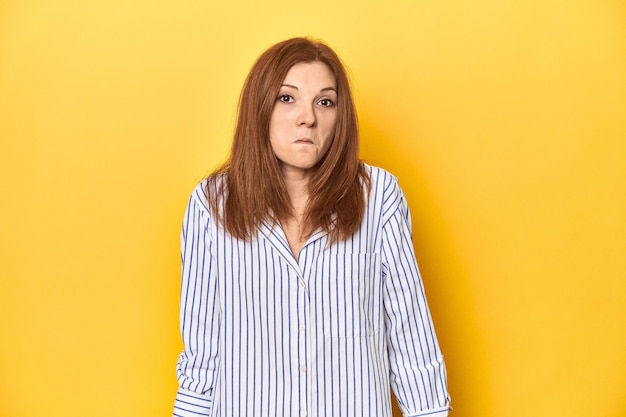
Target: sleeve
x=198 y=364
x=418 y=374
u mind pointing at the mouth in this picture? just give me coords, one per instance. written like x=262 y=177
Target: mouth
x=306 y=141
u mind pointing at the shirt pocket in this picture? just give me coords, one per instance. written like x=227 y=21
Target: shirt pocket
x=350 y=295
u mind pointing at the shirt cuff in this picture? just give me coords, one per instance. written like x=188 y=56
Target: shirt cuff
x=191 y=404
x=438 y=412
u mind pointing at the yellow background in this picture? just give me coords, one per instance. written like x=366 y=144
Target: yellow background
x=504 y=120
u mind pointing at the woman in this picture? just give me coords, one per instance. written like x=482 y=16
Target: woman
x=301 y=295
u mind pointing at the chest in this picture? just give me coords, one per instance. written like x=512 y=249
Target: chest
x=334 y=294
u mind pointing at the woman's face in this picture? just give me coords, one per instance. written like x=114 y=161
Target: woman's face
x=302 y=124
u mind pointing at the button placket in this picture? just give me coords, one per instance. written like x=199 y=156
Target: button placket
x=302 y=330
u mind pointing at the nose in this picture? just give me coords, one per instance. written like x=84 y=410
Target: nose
x=306 y=115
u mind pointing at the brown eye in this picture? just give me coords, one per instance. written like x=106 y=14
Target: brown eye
x=284 y=98
x=326 y=102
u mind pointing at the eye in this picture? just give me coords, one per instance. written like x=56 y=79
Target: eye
x=326 y=102
x=285 y=98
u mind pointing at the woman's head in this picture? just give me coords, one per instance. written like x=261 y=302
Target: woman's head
x=261 y=92
x=254 y=188
x=303 y=121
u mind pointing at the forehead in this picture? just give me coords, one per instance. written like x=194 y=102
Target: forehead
x=314 y=74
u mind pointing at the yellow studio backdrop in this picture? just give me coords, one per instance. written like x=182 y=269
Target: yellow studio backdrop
x=505 y=122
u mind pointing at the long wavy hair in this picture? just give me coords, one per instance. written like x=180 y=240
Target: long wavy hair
x=249 y=189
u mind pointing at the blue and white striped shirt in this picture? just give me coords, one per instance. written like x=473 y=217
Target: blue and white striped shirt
x=325 y=335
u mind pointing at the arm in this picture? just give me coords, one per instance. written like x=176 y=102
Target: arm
x=418 y=374
x=197 y=368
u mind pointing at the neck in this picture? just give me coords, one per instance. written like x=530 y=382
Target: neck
x=299 y=198
x=296 y=184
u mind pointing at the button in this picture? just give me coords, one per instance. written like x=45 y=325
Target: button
x=303 y=369
x=302 y=327
x=303 y=413
x=302 y=284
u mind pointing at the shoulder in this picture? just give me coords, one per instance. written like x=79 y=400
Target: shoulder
x=385 y=190
x=210 y=188
x=382 y=181
x=198 y=201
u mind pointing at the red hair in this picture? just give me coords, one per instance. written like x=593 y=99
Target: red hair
x=251 y=185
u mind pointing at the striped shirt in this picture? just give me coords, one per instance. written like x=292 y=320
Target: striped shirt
x=324 y=335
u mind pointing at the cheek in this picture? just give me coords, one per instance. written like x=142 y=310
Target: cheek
x=277 y=122
x=330 y=138
x=331 y=127
x=327 y=121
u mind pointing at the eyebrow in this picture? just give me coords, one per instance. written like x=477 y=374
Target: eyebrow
x=322 y=90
